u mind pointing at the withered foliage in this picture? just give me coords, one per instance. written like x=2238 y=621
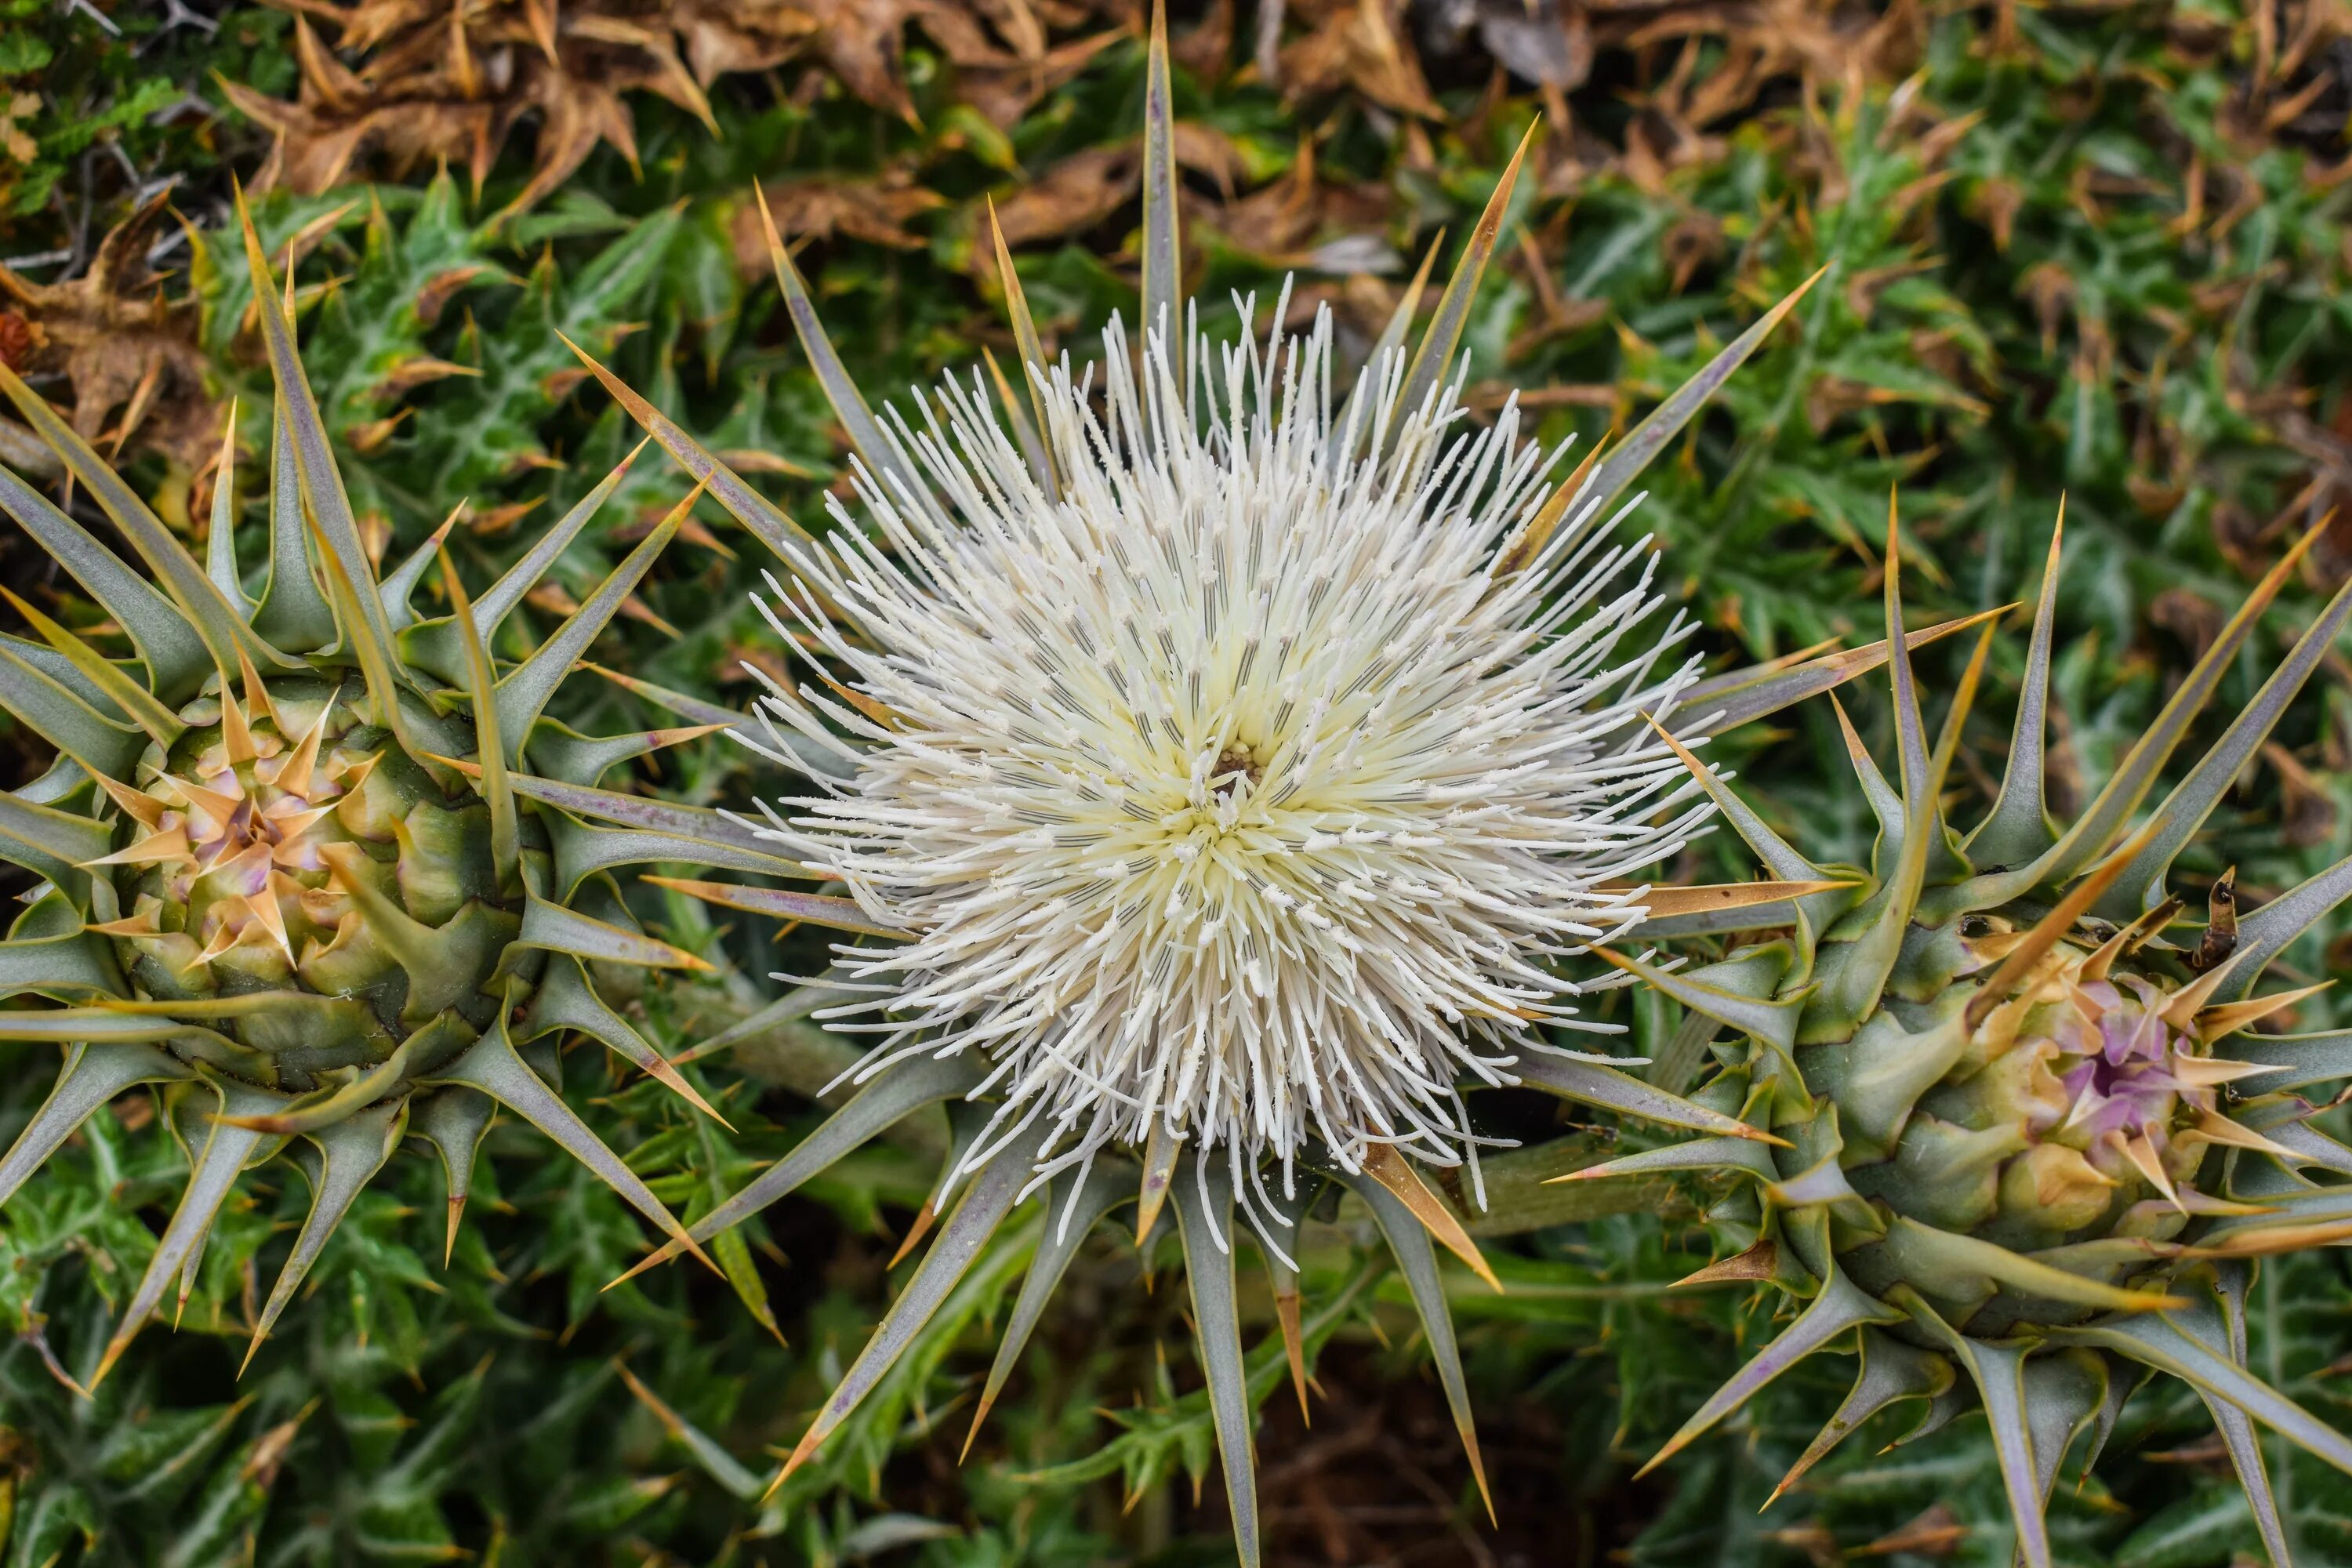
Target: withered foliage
x=390 y=85
x=124 y=347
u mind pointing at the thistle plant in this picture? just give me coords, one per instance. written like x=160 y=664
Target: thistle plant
x=308 y=862
x=1216 y=780
x=2005 y=1127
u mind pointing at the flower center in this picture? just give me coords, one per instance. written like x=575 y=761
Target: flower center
x=1236 y=764
x=225 y=846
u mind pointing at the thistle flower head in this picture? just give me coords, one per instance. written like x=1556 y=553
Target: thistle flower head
x=1253 y=786
x=2025 y=1131
x=1233 y=769
x=296 y=864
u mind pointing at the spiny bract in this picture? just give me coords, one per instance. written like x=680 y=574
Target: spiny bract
x=1146 y=953
x=292 y=867
x=2018 y=1127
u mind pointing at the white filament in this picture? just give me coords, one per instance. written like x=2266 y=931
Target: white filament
x=1237 y=791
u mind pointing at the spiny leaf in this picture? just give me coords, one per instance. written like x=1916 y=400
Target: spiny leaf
x=2156 y=1339
x=894 y=1092
x=877 y=446
x=817 y=908
x=491 y=1065
x=163 y=726
x=227 y=1151
x=526 y=689
x=1032 y=350
x=1999 y=1373
x=318 y=482
x=1891 y=1372
x=1433 y=359
x=1163 y=283
x=671 y=819
x=582 y=851
x=1837 y=1307
x=1924 y=1252
x=2091 y=833
x=1066 y=1223
x=2192 y=800
x=220 y=625
x=1624 y=462
x=1205 y=1220
x=399 y=583
x=505 y=843
x=177 y=660
x=1408 y=1239
x=2018 y=827
x=750 y=507
x=437 y=644
x=220 y=534
x=1692 y=1155
x=351 y=1152
x=983 y=1207
x=1383 y=1164
x=1352 y=428
x=1592 y=1083
x=1771 y=1019
x=50 y=843
x=452 y=1120
x=558 y=928
x=293 y=611
x=92 y=1075
x=103 y=748
x=1724 y=702
x=567 y=999
x=573 y=758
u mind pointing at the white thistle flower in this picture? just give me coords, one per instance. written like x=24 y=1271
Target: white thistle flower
x=1254 y=789
x=1231 y=778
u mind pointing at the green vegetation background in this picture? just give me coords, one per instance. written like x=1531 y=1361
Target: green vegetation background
x=2096 y=252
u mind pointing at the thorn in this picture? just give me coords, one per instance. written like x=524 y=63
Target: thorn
x=987 y=1402
x=1666 y=903
x=2181 y=1009
x=1294 y=1348
x=2143 y=1156
x=924 y=1218
x=800 y=1452
x=169 y=845
x=216 y=804
x=140 y=806
x=258 y=700
x=263 y=908
x=2053 y=926
x=660 y=1255
x=114 y=1348
x=1477 y=1469
x=2217 y=1022
x=1386 y=1166
x=1159 y=1167
x=1759 y=1262
x=2096 y=966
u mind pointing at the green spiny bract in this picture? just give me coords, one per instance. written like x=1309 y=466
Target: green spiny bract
x=292 y=866
x=2001 y=1124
